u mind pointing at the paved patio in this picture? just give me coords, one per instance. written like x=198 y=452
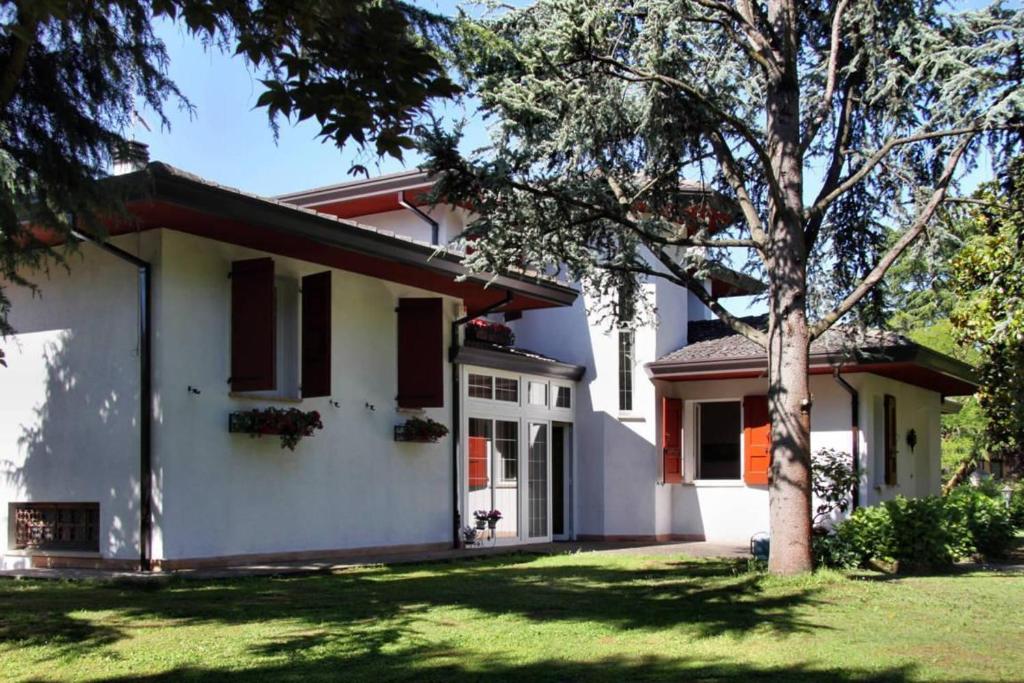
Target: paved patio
x=692 y=549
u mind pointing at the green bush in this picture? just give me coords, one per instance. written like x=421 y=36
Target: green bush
x=921 y=533
x=1017 y=505
x=984 y=513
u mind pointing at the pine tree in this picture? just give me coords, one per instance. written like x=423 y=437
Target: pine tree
x=72 y=70
x=601 y=109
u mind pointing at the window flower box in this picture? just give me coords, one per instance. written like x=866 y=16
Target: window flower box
x=418 y=430
x=290 y=424
x=492 y=333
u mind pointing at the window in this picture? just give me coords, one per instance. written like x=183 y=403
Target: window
x=890 y=440
x=718 y=440
x=626 y=348
x=625 y=370
x=506 y=443
x=265 y=323
x=56 y=526
x=506 y=389
x=538 y=393
x=481 y=386
x=563 y=397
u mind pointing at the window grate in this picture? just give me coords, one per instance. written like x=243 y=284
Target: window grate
x=56 y=526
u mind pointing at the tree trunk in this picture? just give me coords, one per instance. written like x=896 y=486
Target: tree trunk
x=789 y=404
x=789 y=398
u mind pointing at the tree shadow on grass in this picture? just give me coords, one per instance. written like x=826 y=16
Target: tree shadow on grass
x=429 y=666
x=371 y=620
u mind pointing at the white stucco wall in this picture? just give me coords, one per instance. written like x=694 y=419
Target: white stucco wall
x=733 y=511
x=69 y=402
x=451 y=222
x=349 y=486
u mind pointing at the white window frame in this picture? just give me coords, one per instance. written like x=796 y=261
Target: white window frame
x=690 y=445
x=524 y=414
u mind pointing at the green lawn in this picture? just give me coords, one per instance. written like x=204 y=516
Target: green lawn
x=587 y=616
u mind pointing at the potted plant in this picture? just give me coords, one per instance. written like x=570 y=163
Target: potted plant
x=492 y=518
x=421 y=430
x=492 y=333
x=290 y=424
x=481 y=517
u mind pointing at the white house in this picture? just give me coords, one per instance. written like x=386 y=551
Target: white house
x=115 y=448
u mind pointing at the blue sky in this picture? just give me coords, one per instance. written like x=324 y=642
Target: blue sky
x=227 y=140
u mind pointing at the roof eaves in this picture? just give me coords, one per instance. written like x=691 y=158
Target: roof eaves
x=187 y=189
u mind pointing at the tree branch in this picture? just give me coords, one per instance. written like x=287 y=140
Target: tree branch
x=831 y=74
x=727 y=162
x=912 y=233
x=839 y=151
x=759 y=48
x=750 y=332
x=24 y=36
x=821 y=204
x=736 y=124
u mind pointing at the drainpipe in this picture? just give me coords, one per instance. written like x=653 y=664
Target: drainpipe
x=453 y=351
x=145 y=274
x=854 y=433
x=435 y=231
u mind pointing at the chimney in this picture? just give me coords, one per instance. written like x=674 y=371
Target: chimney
x=130 y=157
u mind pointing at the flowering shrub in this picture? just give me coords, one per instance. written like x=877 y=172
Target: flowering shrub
x=419 y=429
x=486 y=331
x=290 y=424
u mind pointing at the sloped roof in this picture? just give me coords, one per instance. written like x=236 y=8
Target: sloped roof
x=714 y=340
x=715 y=351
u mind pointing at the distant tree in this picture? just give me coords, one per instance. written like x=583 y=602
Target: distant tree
x=601 y=108
x=988 y=281
x=919 y=298
x=72 y=73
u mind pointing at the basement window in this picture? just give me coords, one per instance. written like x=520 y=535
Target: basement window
x=55 y=526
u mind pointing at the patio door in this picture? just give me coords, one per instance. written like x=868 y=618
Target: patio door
x=538 y=481
x=492 y=470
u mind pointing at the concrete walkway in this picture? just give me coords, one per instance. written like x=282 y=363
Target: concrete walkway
x=691 y=549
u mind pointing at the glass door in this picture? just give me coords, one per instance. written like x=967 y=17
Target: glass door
x=538 y=478
x=492 y=469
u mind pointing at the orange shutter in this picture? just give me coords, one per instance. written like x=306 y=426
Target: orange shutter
x=477 y=462
x=757 y=440
x=672 y=440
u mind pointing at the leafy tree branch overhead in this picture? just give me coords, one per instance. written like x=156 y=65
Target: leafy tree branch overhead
x=73 y=72
x=622 y=131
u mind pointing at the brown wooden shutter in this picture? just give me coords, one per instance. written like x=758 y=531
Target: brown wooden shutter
x=890 y=440
x=420 y=353
x=757 y=440
x=672 y=440
x=253 y=326
x=316 y=335
x=477 y=462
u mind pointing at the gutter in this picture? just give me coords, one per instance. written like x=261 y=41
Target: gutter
x=453 y=353
x=854 y=433
x=145 y=275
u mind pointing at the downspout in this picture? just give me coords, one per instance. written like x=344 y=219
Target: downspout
x=435 y=231
x=145 y=275
x=854 y=433
x=453 y=351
